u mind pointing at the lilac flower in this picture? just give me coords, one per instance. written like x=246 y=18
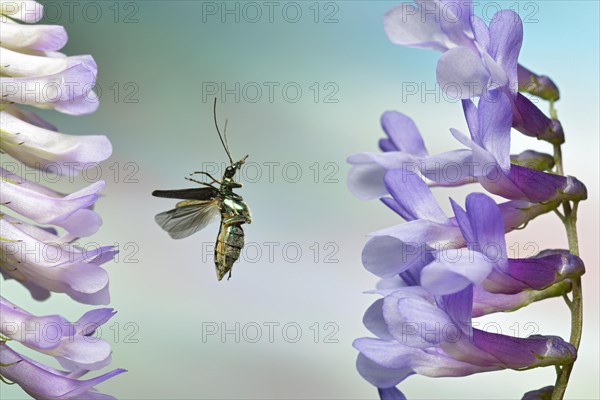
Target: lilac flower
x=43 y=382
x=403 y=148
x=490 y=125
x=439 y=272
x=482 y=226
x=487 y=161
x=476 y=57
x=36 y=258
x=413 y=244
x=46 y=149
x=487 y=55
x=50 y=80
x=44 y=261
x=484 y=302
x=70 y=343
x=47 y=207
x=433 y=336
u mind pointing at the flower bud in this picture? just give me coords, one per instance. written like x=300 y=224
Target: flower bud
x=537 y=85
x=533 y=160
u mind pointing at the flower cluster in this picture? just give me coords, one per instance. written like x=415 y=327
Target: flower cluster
x=39 y=225
x=438 y=271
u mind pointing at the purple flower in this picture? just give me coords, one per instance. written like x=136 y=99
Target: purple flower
x=487 y=56
x=434 y=336
x=43 y=382
x=56 y=81
x=439 y=272
x=34 y=73
x=476 y=58
x=490 y=162
x=487 y=160
x=413 y=244
x=403 y=148
x=47 y=207
x=46 y=149
x=486 y=262
x=38 y=259
x=70 y=343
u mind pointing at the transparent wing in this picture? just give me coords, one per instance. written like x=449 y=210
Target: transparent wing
x=188 y=217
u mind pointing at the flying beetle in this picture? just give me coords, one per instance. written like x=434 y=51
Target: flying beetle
x=201 y=206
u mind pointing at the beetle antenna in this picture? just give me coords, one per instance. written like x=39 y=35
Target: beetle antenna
x=219 y=132
x=225 y=135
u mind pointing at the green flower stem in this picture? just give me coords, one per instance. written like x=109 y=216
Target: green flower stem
x=576 y=303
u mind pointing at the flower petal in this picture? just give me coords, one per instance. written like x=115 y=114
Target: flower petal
x=33 y=37
x=43 y=382
x=81 y=352
x=451 y=168
x=365 y=178
x=391 y=394
x=485 y=302
x=455 y=270
x=538 y=85
x=414 y=196
x=405 y=246
x=531 y=121
x=506 y=37
x=403 y=133
x=495 y=120
x=46 y=149
x=68 y=91
x=64 y=212
x=410 y=25
x=40 y=333
x=374 y=322
x=518 y=353
x=414 y=321
x=379 y=375
x=25 y=10
x=462 y=74
x=487 y=226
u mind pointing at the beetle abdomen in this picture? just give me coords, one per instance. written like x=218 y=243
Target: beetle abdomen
x=228 y=248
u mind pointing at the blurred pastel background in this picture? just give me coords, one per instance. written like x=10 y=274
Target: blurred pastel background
x=159 y=61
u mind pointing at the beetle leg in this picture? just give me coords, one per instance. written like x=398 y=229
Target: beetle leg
x=187 y=178
x=207 y=174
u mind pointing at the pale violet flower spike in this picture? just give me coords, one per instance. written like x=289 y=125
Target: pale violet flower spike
x=439 y=271
x=39 y=226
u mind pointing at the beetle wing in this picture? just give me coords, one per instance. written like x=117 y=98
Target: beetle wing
x=188 y=217
x=206 y=193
